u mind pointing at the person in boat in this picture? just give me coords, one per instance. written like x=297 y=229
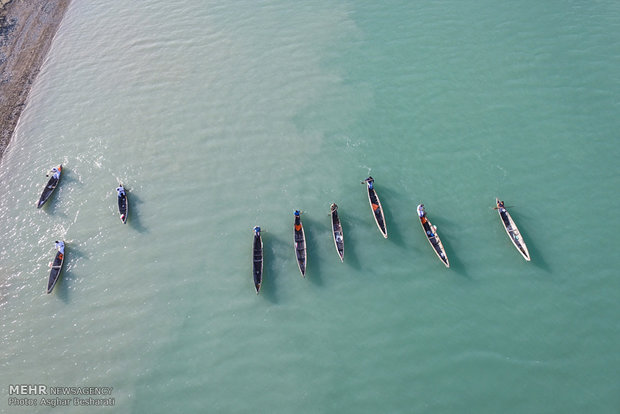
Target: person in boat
x=60 y=246
x=370 y=182
x=55 y=173
x=257 y=231
x=423 y=219
x=120 y=191
x=503 y=214
x=421 y=211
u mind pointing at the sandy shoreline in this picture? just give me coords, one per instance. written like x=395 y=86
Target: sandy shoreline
x=27 y=28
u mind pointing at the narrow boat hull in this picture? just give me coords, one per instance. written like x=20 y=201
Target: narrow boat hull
x=337 y=232
x=300 y=245
x=51 y=185
x=512 y=231
x=257 y=264
x=376 y=208
x=55 y=271
x=123 y=206
x=430 y=232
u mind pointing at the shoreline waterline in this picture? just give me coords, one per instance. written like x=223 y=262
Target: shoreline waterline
x=27 y=30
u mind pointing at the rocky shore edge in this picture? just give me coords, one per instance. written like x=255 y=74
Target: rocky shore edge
x=27 y=28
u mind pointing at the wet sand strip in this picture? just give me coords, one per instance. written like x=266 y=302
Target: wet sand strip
x=27 y=28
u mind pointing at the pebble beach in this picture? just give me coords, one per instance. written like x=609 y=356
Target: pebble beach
x=27 y=29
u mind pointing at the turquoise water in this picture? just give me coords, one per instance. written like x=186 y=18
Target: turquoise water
x=218 y=116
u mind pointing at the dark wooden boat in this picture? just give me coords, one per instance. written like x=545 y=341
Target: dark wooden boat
x=123 y=206
x=511 y=229
x=257 y=264
x=375 y=206
x=430 y=232
x=52 y=183
x=337 y=231
x=56 y=266
x=300 y=243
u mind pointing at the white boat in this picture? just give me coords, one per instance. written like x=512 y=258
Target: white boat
x=375 y=205
x=337 y=231
x=430 y=232
x=511 y=229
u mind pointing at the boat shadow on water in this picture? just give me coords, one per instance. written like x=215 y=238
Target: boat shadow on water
x=273 y=249
x=443 y=229
x=67 y=277
x=133 y=217
x=349 y=226
x=536 y=257
x=456 y=264
x=52 y=207
x=388 y=198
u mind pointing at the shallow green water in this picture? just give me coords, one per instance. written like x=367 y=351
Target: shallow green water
x=220 y=116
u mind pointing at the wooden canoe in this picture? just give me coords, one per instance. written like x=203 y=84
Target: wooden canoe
x=56 y=267
x=337 y=231
x=51 y=185
x=257 y=263
x=511 y=229
x=430 y=232
x=123 y=205
x=300 y=243
x=375 y=206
